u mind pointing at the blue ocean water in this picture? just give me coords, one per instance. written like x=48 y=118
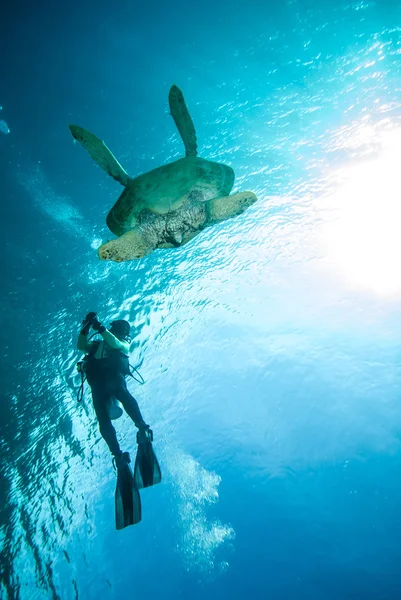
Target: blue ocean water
x=270 y=343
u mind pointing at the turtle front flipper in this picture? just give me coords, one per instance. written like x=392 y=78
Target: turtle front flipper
x=226 y=207
x=183 y=120
x=100 y=154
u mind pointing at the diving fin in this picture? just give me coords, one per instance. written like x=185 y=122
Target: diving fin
x=147 y=469
x=127 y=498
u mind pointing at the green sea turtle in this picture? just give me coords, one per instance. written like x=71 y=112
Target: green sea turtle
x=170 y=205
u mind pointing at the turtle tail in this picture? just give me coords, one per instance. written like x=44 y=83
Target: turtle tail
x=183 y=121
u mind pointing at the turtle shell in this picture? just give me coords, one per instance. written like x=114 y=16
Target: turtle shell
x=167 y=188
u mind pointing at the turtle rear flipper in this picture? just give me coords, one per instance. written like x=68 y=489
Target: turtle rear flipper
x=226 y=207
x=183 y=120
x=136 y=243
x=100 y=154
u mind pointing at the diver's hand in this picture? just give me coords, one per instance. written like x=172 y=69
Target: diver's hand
x=90 y=317
x=87 y=322
x=97 y=326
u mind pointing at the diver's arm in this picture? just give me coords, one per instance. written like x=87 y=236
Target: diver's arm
x=82 y=344
x=112 y=341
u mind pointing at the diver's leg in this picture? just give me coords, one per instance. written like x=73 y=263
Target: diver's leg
x=107 y=431
x=130 y=404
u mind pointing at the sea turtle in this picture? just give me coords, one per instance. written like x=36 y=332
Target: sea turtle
x=170 y=205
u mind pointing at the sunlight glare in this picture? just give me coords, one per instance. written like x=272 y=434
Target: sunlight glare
x=363 y=241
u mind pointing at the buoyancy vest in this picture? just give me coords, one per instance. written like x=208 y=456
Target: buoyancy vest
x=115 y=362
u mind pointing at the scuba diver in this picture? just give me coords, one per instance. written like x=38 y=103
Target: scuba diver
x=106 y=365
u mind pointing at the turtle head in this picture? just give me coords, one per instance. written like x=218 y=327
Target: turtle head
x=130 y=246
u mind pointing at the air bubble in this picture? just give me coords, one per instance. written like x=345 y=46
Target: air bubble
x=4 y=128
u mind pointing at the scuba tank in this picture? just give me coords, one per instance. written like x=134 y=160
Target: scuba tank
x=115 y=409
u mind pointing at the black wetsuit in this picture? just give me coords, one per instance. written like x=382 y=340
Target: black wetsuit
x=107 y=380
